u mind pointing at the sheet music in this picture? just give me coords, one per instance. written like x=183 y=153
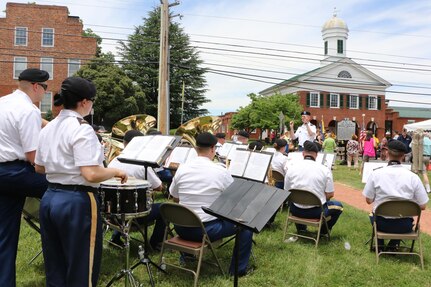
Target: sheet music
x=132 y=150
x=178 y=155
x=147 y=148
x=238 y=162
x=225 y=149
x=234 y=149
x=270 y=149
x=324 y=158
x=369 y=167
x=257 y=166
x=328 y=160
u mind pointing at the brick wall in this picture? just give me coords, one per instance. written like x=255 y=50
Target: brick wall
x=68 y=42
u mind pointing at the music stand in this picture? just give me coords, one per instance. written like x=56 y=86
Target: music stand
x=249 y=205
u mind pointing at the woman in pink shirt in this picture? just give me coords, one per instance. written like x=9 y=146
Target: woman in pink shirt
x=369 y=150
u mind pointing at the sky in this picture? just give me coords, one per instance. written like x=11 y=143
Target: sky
x=278 y=39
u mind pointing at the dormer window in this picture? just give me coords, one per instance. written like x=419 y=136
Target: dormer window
x=344 y=74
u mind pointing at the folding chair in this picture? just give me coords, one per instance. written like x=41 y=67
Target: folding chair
x=306 y=197
x=398 y=209
x=277 y=177
x=182 y=216
x=30 y=214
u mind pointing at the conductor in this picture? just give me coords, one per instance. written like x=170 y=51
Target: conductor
x=306 y=132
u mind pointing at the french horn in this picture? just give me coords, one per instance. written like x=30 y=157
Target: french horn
x=190 y=130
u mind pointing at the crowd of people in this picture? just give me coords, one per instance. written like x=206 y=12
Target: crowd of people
x=61 y=162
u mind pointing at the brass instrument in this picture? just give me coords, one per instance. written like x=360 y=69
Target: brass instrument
x=190 y=130
x=113 y=140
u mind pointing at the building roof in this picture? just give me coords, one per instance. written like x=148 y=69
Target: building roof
x=335 y=22
x=412 y=112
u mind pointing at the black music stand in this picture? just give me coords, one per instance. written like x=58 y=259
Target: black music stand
x=248 y=205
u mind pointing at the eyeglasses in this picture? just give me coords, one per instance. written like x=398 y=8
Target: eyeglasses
x=44 y=86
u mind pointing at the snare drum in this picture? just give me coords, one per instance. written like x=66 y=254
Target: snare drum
x=129 y=198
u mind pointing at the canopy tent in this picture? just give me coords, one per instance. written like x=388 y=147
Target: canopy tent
x=425 y=125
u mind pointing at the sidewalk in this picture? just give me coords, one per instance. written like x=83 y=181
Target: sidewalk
x=353 y=197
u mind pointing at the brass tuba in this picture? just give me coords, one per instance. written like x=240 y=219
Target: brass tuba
x=190 y=130
x=114 y=142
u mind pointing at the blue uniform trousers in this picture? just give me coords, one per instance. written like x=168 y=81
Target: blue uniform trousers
x=218 y=229
x=392 y=225
x=331 y=208
x=17 y=180
x=71 y=237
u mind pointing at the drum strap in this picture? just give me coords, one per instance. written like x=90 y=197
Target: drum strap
x=73 y=187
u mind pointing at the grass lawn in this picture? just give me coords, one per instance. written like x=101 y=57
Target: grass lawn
x=277 y=263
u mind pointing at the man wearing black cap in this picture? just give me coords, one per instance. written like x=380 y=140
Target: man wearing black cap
x=198 y=183
x=306 y=132
x=20 y=124
x=242 y=137
x=316 y=178
x=221 y=139
x=394 y=181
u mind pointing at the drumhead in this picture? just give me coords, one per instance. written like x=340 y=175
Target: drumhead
x=132 y=183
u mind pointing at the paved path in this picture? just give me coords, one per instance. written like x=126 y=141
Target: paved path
x=354 y=198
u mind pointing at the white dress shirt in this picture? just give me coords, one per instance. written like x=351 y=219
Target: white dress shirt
x=278 y=163
x=302 y=134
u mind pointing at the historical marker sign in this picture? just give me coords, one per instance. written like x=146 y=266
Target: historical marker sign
x=345 y=130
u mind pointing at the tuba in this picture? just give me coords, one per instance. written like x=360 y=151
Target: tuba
x=190 y=130
x=114 y=141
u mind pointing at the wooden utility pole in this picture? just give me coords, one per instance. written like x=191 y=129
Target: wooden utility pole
x=163 y=101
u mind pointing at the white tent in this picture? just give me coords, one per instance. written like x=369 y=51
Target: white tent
x=425 y=125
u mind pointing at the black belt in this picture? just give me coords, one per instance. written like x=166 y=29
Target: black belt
x=13 y=162
x=73 y=187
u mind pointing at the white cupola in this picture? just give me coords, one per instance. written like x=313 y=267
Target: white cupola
x=335 y=33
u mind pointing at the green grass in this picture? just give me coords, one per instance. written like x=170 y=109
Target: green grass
x=277 y=263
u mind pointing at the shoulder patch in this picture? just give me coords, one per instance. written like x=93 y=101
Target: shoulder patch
x=82 y=121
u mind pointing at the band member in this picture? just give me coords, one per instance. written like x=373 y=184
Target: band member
x=221 y=139
x=72 y=158
x=20 y=124
x=279 y=159
x=306 y=132
x=315 y=177
x=138 y=171
x=191 y=187
x=242 y=137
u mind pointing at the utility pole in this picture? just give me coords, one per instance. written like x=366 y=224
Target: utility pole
x=163 y=100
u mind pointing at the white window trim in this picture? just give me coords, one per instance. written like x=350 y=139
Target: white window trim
x=53 y=38
x=330 y=101
x=357 y=102
x=369 y=102
x=50 y=104
x=26 y=37
x=68 y=66
x=15 y=61
x=318 y=100
x=51 y=72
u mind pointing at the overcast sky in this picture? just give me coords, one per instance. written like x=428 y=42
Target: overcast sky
x=391 y=33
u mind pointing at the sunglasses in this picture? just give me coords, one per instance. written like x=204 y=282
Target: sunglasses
x=44 y=86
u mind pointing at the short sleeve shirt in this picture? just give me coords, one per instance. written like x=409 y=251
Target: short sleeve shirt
x=20 y=124
x=279 y=162
x=302 y=134
x=65 y=144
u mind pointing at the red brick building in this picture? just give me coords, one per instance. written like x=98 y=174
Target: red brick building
x=44 y=37
x=340 y=88
x=397 y=117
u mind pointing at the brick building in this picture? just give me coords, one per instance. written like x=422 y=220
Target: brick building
x=340 y=88
x=44 y=37
x=397 y=117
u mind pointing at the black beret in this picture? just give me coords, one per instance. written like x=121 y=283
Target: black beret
x=256 y=145
x=310 y=146
x=397 y=146
x=153 y=132
x=220 y=135
x=280 y=142
x=129 y=135
x=34 y=75
x=82 y=88
x=305 y=113
x=243 y=133
x=206 y=139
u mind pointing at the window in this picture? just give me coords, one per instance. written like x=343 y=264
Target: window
x=73 y=67
x=340 y=48
x=46 y=104
x=344 y=74
x=47 y=64
x=372 y=102
x=19 y=65
x=314 y=100
x=334 y=101
x=20 y=36
x=354 y=102
x=47 y=37
x=326 y=47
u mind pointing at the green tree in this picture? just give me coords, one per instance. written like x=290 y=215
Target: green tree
x=263 y=112
x=89 y=33
x=141 y=63
x=117 y=95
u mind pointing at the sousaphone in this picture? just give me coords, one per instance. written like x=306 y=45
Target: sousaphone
x=190 y=130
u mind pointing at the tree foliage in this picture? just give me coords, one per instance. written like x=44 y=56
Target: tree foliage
x=141 y=63
x=117 y=95
x=263 y=112
x=89 y=33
